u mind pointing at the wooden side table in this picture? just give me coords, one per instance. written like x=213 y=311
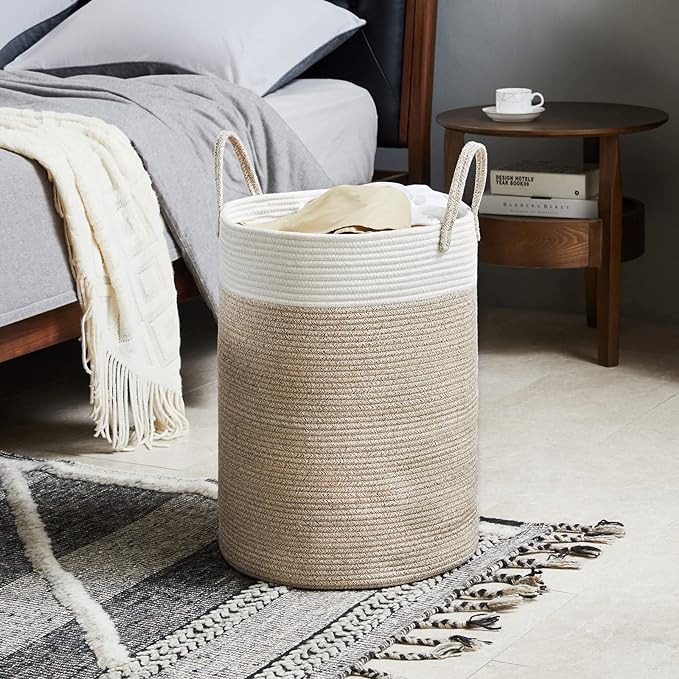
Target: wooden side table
x=596 y=245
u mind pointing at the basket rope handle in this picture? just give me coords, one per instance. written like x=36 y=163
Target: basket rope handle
x=471 y=150
x=245 y=165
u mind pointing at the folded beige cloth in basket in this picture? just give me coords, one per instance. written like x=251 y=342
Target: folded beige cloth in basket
x=349 y=209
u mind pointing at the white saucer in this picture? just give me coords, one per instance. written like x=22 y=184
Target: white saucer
x=491 y=112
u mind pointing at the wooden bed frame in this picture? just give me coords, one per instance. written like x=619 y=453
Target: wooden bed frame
x=59 y=325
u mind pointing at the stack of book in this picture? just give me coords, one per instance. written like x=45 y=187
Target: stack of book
x=543 y=189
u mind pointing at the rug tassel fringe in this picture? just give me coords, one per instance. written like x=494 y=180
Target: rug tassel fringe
x=445 y=648
x=534 y=579
x=553 y=561
x=589 y=551
x=476 y=621
x=604 y=527
x=564 y=541
x=499 y=604
x=367 y=673
x=557 y=538
x=465 y=643
x=523 y=590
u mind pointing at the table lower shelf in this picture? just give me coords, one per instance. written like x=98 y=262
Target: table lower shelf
x=544 y=243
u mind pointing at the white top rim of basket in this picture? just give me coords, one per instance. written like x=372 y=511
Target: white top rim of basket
x=280 y=204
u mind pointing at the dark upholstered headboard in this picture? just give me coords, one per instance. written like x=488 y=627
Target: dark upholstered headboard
x=373 y=58
x=393 y=58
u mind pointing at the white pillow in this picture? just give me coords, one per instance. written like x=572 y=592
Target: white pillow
x=258 y=44
x=31 y=18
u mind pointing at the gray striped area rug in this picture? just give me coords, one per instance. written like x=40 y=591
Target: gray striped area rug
x=113 y=576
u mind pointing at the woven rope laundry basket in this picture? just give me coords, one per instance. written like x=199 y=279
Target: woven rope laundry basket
x=347 y=393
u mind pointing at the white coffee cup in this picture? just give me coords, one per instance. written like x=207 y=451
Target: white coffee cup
x=517 y=100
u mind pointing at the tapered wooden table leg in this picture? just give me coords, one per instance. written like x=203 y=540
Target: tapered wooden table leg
x=591 y=277
x=590 y=155
x=453 y=143
x=608 y=279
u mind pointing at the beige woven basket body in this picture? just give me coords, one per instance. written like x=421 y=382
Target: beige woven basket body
x=347 y=394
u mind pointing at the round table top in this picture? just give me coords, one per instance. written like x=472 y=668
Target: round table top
x=560 y=119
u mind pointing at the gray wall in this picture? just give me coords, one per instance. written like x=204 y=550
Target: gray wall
x=623 y=51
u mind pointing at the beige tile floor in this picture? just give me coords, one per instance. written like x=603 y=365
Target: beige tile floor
x=561 y=439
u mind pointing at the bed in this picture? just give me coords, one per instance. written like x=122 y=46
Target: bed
x=336 y=120
x=375 y=90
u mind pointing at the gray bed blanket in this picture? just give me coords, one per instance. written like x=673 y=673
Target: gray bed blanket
x=172 y=120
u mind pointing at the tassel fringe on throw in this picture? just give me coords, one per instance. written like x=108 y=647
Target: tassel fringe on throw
x=122 y=270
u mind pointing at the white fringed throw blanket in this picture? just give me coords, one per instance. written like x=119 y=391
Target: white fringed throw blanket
x=122 y=269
